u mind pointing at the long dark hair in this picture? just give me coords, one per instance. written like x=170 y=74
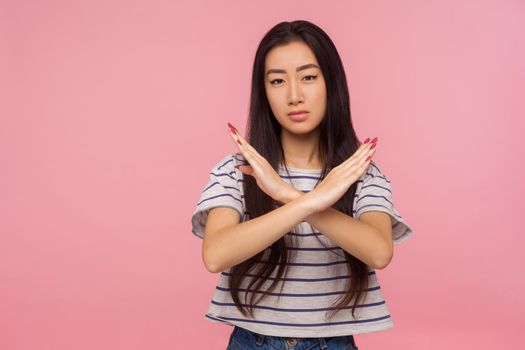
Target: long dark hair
x=337 y=143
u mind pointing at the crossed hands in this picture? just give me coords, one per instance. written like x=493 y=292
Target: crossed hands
x=325 y=194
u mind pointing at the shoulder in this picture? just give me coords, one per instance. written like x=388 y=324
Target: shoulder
x=373 y=181
x=225 y=168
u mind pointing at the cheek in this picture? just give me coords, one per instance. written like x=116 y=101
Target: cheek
x=318 y=96
x=274 y=103
x=322 y=95
x=276 y=100
x=322 y=99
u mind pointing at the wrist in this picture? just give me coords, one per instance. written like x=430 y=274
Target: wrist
x=307 y=201
x=289 y=195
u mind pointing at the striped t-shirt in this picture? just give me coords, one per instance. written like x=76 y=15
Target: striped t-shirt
x=316 y=275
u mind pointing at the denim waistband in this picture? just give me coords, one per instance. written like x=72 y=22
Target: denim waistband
x=242 y=336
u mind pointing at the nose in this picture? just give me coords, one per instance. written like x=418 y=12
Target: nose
x=295 y=94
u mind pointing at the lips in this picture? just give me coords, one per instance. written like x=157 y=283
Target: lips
x=297 y=112
x=298 y=117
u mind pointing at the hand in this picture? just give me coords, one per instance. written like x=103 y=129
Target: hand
x=267 y=179
x=340 y=178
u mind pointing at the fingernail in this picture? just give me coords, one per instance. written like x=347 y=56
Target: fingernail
x=374 y=140
x=239 y=142
x=367 y=158
x=373 y=145
x=367 y=140
x=234 y=129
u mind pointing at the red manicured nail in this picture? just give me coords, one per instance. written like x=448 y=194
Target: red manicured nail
x=367 y=158
x=374 y=140
x=367 y=140
x=373 y=145
x=233 y=128
x=239 y=142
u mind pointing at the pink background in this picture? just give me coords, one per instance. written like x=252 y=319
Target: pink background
x=113 y=112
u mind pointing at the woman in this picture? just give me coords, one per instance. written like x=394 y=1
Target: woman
x=298 y=220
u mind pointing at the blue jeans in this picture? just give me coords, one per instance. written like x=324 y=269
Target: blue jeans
x=242 y=339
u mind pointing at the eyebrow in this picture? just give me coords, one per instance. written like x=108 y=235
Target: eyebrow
x=300 y=68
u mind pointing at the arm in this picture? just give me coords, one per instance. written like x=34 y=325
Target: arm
x=371 y=236
x=228 y=242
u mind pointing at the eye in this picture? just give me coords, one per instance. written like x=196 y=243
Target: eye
x=273 y=82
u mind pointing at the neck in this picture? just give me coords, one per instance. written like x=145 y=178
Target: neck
x=301 y=151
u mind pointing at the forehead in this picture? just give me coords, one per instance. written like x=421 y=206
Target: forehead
x=289 y=56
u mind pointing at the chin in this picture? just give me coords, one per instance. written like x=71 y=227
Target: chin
x=300 y=130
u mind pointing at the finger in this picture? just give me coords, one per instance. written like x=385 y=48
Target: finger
x=249 y=153
x=370 y=154
x=245 y=169
x=364 y=163
x=367 y=147
x=362 y=151
x=367 y=162
x=240 y=146
x=367 y=155
x=249 y=147
x=361 y=161
x=360 y=166
x=235 y=139
x=247 y=150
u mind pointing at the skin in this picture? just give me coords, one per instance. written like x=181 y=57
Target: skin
x=228 y=242
x=294 y=90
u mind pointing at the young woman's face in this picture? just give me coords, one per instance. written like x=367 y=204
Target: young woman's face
x=294 y=82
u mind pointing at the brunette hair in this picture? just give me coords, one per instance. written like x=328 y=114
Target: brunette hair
x=337 y=142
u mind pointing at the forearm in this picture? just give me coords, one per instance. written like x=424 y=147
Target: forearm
x=358 y=238
x=233 y=245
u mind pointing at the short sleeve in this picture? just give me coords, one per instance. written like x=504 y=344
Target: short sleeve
x=375 y=194
x=222 y=190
